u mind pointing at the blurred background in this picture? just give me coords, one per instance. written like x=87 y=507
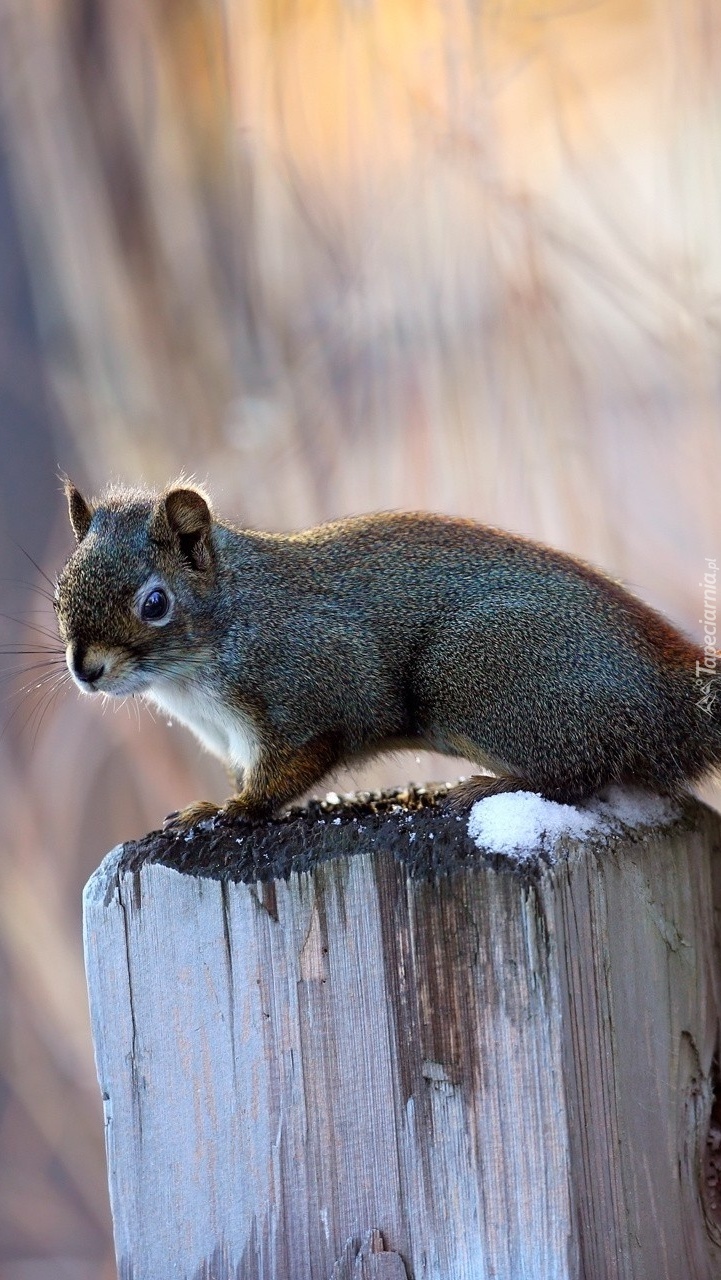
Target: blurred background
x=329 y=256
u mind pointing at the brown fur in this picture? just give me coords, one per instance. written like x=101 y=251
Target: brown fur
x=309 y=650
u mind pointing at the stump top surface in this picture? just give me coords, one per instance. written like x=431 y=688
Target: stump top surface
x=413 y=823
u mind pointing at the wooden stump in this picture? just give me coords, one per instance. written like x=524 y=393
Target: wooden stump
x=350 y=1046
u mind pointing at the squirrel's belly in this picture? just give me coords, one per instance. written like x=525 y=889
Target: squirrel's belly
x=225 y=733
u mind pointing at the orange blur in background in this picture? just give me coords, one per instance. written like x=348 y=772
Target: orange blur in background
x=329 y=256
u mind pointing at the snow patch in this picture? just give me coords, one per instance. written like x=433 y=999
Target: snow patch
x=520 y=824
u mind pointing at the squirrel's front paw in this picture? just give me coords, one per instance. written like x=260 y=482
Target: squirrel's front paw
x=186 y=819
x=233 y=811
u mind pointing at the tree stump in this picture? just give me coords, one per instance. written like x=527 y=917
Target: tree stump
x=351 y=1045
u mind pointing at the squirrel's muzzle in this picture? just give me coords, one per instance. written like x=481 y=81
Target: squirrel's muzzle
x=85 y=664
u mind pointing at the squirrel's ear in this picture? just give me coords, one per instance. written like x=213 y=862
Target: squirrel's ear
x=188 y=515
x=78 y=510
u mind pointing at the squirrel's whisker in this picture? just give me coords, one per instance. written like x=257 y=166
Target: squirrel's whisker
x=34 y=713
x=26 y=651
x=45 y=659
x=48 y=703
x=51 y=666
x=32 y=626
x=57 y=682
x=37 y=682
x=34 y=563
x=31 y=586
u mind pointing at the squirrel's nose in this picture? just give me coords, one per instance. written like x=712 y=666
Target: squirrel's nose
x=91 y=674
x=87 y=671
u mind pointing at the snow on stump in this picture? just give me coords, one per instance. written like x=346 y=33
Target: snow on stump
x=360 y=1043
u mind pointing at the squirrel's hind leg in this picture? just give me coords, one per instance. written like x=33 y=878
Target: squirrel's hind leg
x=480 y=786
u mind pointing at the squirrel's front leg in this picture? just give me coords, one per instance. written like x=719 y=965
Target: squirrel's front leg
x=278 y=777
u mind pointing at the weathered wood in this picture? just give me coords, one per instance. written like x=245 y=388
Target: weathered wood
x=372 y=1261
x=340 y=1026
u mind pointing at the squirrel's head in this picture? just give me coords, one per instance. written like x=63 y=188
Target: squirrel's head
x=131 y=601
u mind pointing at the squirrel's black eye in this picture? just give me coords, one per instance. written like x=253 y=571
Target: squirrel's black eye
x=155 y=605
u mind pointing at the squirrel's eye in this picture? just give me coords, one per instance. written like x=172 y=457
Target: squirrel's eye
x=155 y=605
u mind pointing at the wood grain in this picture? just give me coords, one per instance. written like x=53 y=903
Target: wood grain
x=335 y=1066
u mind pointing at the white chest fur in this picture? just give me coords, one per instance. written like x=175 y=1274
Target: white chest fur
x=228 y=734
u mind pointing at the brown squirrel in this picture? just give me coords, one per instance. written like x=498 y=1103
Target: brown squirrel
x=291 y=654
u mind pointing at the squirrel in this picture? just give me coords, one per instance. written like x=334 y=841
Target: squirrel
x=289 y=655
